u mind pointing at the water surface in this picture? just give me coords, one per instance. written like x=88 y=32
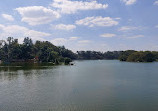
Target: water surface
x=98 y=85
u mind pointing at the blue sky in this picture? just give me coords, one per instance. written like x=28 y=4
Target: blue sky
x=100 y=25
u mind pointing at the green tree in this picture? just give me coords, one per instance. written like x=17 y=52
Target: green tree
x=124 y=55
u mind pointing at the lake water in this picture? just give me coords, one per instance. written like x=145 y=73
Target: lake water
x=98 y=85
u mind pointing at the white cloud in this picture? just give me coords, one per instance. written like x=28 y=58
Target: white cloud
x=1 y=27
x=63 y=41
x=59 y=41
x=68 y=7
x=8 y=17
x=21 y=32
x=97 y=21
x=156 y=26
x=136 y=36
x=36 y=15
x=108 y=35
x=129 y=28
x=84 y=41
x=129 y=2
x=156 y=3
x=73 y=38
x=64 y=27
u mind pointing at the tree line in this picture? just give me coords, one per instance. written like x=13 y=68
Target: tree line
x=44 y=51
x=128 y=55
x=40 y=51
x=138 y=56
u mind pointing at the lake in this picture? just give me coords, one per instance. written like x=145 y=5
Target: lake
x=94 y=85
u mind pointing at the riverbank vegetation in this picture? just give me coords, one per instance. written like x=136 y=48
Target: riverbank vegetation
x=40 y=51
x=129 y=55
x=43 y=51
x=138 y=56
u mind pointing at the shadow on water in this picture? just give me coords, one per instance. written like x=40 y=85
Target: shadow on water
x=25 y=66
x=14 y=70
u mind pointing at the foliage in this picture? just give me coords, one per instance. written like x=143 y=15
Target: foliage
x=67 y=53
x=40 y=51
x=94 y=55
x=129 y=55
x=138 y=56
x=67 y=60
x=124 y=55
x=44 y=51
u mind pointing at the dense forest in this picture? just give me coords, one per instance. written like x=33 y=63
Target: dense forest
x=129 y=55
x=94 y=55
x=138 y=56
x=40 y=51
x=44 y=51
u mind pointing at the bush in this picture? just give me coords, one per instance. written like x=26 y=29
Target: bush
x=67 y=61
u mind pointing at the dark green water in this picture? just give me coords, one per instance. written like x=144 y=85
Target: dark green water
x=86 y=86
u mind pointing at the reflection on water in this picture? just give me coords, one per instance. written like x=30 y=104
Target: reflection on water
x=24 y=66
x=86 y=86
x=12 y=71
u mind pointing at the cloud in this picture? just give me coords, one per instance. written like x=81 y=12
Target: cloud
x=69 y=7
x=108 y=35
x=129 y=2
x=21 y=32
x=156 y=26
x=64 y=27
x=73 y=38
x=156 y=3
x=36 y=15
x=136 y=36
x=129 y=28
x=63 y=41
x=59 y=41
x=8 y=17
x=97 y=21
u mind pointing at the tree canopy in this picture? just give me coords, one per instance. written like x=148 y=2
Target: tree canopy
x=41 y=51
x=45 y=51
